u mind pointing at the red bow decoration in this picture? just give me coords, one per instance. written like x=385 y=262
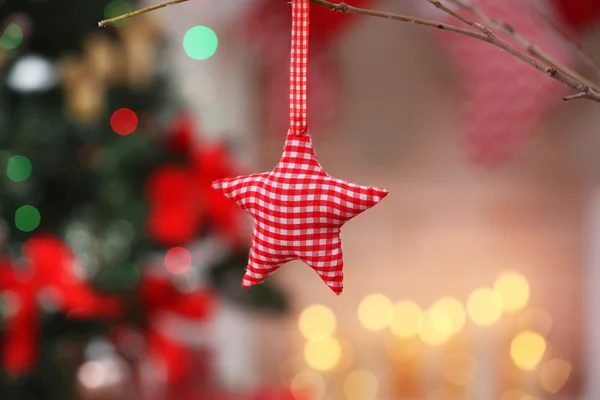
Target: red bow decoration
x=163 y=302
x=50 y=274
x=180 y=198
x=579 y=14
x=505 y=99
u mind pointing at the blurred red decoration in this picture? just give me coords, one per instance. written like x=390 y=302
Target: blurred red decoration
x=165 y=304
x=505 y=99
x=176 y=207
x=124 y=121
x=181 y=200
x=579 y=14
x=180 y=136
x=49 y=276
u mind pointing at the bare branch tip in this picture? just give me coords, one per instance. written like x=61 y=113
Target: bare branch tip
x=575 y=96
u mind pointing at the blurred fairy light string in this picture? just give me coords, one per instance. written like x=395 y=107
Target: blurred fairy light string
x=435 y=326
x=585 y=89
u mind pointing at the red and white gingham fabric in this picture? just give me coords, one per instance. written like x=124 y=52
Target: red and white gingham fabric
x=299 y=66
x=505 y=99
x=298 y=210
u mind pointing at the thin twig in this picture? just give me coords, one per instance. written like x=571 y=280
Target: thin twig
x=348 y=9
x=483 y=33
x=571 y=39
x=488 y=37
x=579 y=95
x=132 y=14
x=437 y=4
x=530 y=47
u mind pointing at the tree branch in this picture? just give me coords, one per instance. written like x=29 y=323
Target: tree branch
x=585 y=88
x=530 y=47
x=132 y=14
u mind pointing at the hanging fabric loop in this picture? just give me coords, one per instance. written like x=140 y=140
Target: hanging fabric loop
x=299 y=66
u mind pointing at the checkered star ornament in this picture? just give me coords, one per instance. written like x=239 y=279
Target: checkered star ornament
x=298 y=210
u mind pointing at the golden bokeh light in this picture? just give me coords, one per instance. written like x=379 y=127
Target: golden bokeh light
x=459 y=368
x=484 y=307
x=513 y=290
x=527 y=349
x=361 y=385
x=317 y=321
x=375 y=312
x=308 y=385
x=406 y=319
x=322 y=354
x=518 y=394
x=435 y=328
x=453 y=309
x=554 y=374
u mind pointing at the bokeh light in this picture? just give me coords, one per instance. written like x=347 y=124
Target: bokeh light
x=317 y=321
x=453 y=309
x=361 y=385
x=527 y=349
x=308 y=385
x=459 y=368
x=27 y=218
x=554 y=374
x=322 y=354
x=124 y=121
x=178 y=260
x=375 y=312
x=484 y=307
x=200 y=42
x=406 y=319
x=435 y=328
x=18 y=168
x=116 y=8
x=513 y=290
x=12 y=37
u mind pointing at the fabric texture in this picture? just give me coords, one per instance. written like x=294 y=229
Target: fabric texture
x=298 y=210
x=299 y=66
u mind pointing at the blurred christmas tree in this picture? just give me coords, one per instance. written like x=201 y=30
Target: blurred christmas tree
x=97 y=150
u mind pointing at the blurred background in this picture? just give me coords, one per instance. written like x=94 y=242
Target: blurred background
x=477 y=278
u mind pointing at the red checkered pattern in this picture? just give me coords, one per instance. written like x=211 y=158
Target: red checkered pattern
x=505 y=99
x=298 y=209
x=299 y=66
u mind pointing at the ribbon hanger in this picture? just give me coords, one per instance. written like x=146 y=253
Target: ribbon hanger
x=299 y=66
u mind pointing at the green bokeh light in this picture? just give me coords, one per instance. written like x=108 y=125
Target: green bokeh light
x=116 y=8
x=12 y=37
x=200 y=42
x=18 y=168
x=27 y=218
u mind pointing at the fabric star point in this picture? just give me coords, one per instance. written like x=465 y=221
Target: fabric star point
x=298 y=211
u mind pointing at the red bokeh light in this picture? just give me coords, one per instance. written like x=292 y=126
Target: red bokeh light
x=124 y=121
x=178 y=260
